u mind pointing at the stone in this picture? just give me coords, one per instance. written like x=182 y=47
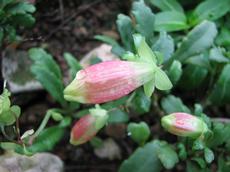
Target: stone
x=40 y=162
x=16 y=71
x=100 y=53
x=109 y=150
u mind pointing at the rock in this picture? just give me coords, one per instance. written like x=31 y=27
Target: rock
x=40 y=162
x=109 y=150
x=100 y=53
x=16 y=71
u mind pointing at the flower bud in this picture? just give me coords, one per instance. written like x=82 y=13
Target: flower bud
x=108 y=81
x=183 y=124
x=88 y=126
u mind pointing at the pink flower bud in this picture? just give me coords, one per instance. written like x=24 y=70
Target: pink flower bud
x=183 y=124
x=108 y=81
x=88 y=126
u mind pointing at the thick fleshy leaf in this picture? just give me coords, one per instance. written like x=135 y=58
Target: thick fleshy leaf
x=144 y=159
x=117 y=116
x=172 y=104
x=170 y=21
x=144 y=51
x=192 y=77
x=73 y=64
x=165 y=45
x=139 y=132
x=167 y=156
x=149 y=88
x=175 y=71
x=167 y=5
x=141 y=102
x=144 y=19
x=125 y=28
x=48 y=73
x=221 y=94
x=162 y=81
x=197 y=40
x=217 y=56
x=208 y=155
x=210 y=10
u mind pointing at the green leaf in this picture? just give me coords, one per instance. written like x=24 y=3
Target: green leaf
x=20 y=8
x=139 y=132
x=224 y=37
x=106 y=39
x=7 y=117
x=144 y=19
x=73 y=64
x=198 y=145
x=16 y=147
x=118 y=116
x=116 y=103
x=48 y=73
x=210 y=10
x=197 y=40
x=16 y=110
x=26 y=20
x=217 y=56
x=221 y=134
x=96 y=142
x=162 y=81
x=144 y=51
x=43 y=59
x=56 y=116
x=47 y=139
x=144 y=159
x=165 y=45
x=182 y=151
x=223 y=165
x=3 y=3
x=200 y=162
x=220 y=94
x=167 y=156
x=167 y=5
x=172 y=104
x=149 y=88
x=192 y=167
x=208 y=155
x=4 y=101
x=170 y=21
x=192 y=77
x=201 y=60
x=175 y=71
x=125 y=28
x=140 y=103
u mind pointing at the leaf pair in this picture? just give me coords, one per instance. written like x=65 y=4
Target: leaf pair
x=145 y=54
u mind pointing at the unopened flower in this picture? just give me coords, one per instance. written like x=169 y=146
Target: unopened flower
x=108 y=81
x=88 y=126
x=183 y=124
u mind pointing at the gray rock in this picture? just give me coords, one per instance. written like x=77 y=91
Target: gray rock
x=109 y=150
x=40 y=162
x=102 y=52
x=16 y=71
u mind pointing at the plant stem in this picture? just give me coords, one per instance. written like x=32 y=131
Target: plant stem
x=43 y=124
